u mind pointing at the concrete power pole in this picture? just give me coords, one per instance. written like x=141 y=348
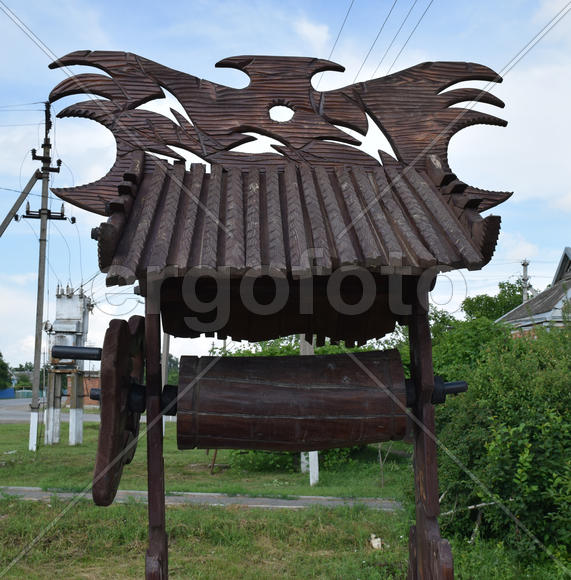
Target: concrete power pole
x=525 y=281
x=43 y=215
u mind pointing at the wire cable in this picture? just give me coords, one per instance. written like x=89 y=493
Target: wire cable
x=410 y=36
x=23 y=105
x=80 y=251
x=47 y=258
x=547 y=28
x=394 y=38
x=68 y=251
x=18 y=124
x=337 y=39
x=375 y=41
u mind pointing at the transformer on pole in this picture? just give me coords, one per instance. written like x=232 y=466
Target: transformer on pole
x=69 y=329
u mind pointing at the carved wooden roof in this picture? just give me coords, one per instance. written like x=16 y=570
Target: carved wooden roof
x=295 y=219
x=316 y=203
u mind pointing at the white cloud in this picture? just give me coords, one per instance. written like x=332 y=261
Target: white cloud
x=316 y=36
x=18 y=279
x=515 y=247
x=563 y=202
x=530 y=156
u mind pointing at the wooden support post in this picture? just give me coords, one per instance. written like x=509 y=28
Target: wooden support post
x=156 y=561
x=430 y=556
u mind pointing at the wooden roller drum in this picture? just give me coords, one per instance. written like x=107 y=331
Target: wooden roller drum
x=291 y=403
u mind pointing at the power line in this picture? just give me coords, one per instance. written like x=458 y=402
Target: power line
x=80 y=250
x=68 y=251
x=410 y=35
x=23 y=105
x=394 y=38
x=19 y=191
x=547 y=28
x=337 y=39
x=19 y=124
x=375 y=41
x=38 y=238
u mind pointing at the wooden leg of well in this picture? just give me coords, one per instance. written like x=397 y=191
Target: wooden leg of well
x=156 y=562
x=430 y=556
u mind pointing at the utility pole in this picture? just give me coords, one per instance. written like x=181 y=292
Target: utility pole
x=525 y=280
x=43 y=215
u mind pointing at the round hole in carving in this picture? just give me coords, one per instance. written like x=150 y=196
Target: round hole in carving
x=281 y=113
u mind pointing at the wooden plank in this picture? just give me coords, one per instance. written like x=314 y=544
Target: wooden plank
x=392 y=251
x=359 y=222
x=345 y=251
x=418 y=255
x=253 y=252
x=419 y=217
x=212 y=224
x=445 y=218
x=298 y=259
x=276 y=246
x=234 y=235
x=164 y=226
x=321 y=252
x=189 y=205
x=145 y=220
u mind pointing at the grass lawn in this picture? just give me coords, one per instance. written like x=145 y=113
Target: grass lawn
x=80 y=540
x=64 y=468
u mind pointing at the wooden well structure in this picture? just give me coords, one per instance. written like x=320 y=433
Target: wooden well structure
x=315 y=237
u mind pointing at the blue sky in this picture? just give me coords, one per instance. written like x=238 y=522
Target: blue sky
x=530 y=157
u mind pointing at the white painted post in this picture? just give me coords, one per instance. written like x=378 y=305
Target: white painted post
x=311 y=457
x=76 y=409
x=49 y=411
x=57 y=406
x=313 y=468
x=34 y=421
x=165 y=367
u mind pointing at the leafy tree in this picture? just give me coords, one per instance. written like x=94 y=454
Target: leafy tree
x=492 y=307
x=26 y=367
x=172 y=374
x=457 y=351
x=512 y=433
x=5 y=377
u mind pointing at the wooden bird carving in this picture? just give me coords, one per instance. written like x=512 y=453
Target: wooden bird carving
x=409 y=107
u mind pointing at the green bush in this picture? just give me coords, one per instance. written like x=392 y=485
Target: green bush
x=511 y=431
x=255 y=460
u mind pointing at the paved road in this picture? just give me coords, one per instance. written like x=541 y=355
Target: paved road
x=18 y=411
x=212 y=499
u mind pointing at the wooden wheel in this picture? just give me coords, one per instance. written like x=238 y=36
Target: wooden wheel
x=122 y=363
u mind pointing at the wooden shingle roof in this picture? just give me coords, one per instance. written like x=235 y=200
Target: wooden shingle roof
x=313 y=205
x=293 y=219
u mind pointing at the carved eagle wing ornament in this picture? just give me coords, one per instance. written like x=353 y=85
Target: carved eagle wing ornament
x=315 y=188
